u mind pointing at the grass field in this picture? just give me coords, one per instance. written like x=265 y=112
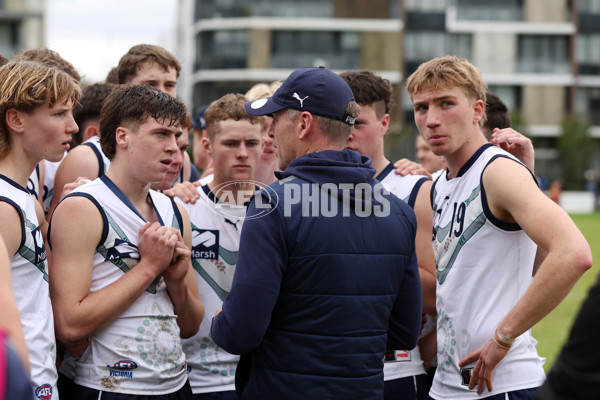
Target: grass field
x=553 y=330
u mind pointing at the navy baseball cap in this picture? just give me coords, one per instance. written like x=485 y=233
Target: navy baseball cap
x=318 y=90
x=199 y=122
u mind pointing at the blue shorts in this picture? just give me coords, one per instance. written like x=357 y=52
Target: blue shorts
x=409 y=388
x=65 y=386
x=524 y=394
x=85 y=393
x=227 y=395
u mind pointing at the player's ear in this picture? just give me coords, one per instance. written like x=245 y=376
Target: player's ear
x=14 y=120
x=207 y=145
x=90 y=131
x=478 y=110
x=304 y=124
x=122 y=136
x=385 y=123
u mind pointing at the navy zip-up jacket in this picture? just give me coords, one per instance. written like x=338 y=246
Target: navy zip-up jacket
x=327 y=280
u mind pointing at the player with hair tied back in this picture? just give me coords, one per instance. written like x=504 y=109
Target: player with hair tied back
x=323 y=287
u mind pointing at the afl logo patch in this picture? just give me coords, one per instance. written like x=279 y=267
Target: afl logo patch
x=44 y=392
x=124 y=364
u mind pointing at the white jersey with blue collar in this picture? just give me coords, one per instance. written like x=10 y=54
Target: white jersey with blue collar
x=103 y=161
x=32 y=292
x=216 y=229
x=140 y=352
x=484 y=266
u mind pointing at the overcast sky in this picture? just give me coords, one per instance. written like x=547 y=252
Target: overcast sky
x=94 y=34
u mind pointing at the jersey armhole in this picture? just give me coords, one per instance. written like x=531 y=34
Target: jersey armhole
x=98 y=206
x=412 y=199
x=21 y=213
x=98 y=157
x=177 y=215
x=506 y=226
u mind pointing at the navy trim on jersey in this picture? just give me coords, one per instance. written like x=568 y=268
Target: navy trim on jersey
x=472 y=160
x=385 y=172
x=210 y=194
x=432 y=192
x=37 y=173
x=98 y=206
x=13 y=183
x=177 y=215
x=98 y=156
x=507 y=226
x=115 y=189
x=412 y=199
x=20 y=212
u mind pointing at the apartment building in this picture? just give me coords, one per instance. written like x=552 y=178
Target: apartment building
x=21 y=26
x=542 y=57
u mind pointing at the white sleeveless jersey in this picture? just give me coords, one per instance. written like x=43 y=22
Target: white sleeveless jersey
x=216 y=229
x=33 y=183
x=103 y=161
x=49 y=175
x=207 y=179
x=31 y=290
x=402 y=363
x=67 y=367
x=483 y=268
x=140 y=352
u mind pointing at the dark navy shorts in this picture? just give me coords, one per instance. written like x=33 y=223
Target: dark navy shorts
x=409 y=388
x=84 y=393
x=227 y=395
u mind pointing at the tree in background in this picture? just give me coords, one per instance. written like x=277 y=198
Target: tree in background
x=575 y=151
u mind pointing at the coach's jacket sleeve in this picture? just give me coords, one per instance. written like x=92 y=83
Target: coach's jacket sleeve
x=405 y=322
x=246 y=313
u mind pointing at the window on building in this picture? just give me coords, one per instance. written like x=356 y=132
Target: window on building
x=461 y=45
x=425 y=5
x=295 y=49
x=5 y=42
x=423 y=46
x=286 y=8
x=543 y=54
x=589 y=6
x=510 y=95
x=263 y=8
x=588 y=103
x=222 y=9
x=10 y=37
x=206 y=92
x=490 y=10
x=222 y=49
x=588 y=53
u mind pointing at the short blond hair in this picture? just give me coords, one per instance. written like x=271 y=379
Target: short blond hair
x=259 y=91
x=262 y=90
x=25 y=85
x=448 y=72
x=230 y=106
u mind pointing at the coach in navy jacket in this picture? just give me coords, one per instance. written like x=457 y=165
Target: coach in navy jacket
x=327 y=278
